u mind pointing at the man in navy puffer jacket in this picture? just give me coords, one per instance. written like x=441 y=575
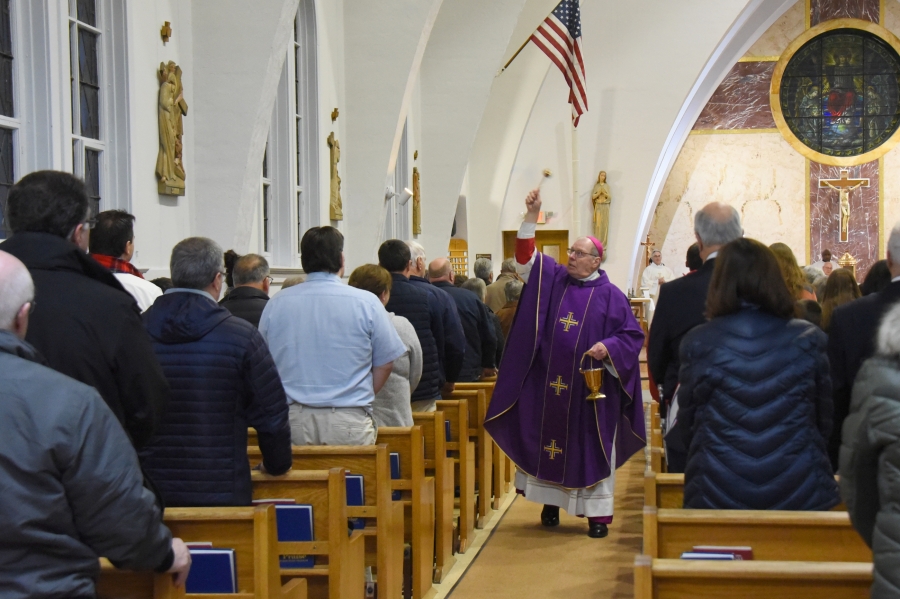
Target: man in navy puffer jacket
x=222 y=378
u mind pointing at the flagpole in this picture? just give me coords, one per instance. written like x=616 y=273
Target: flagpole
x=509 y=62
x=576 y=212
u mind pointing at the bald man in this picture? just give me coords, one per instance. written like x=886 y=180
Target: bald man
x=567 y=447
x=73 y=490
x=681 y=307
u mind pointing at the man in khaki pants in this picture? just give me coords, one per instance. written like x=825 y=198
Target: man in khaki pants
x=334 y=346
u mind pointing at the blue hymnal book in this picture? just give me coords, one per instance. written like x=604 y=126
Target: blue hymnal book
x=295 y=523
x=356 y=496
x=212 y=571
x=395 y=474
x=447 y=436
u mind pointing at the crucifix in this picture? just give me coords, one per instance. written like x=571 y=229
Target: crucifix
x=649 y=245
x=844 y=185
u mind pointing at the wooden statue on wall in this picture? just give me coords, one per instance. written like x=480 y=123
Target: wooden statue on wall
x=417 y=203
x=335 y=208
x=171 y=109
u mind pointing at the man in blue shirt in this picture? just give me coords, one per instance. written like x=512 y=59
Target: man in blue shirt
x=334 y=346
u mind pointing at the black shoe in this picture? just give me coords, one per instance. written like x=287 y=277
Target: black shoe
x=550 y=515
x=597 y=530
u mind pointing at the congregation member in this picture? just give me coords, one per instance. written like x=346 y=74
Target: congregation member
x=478 y=287
x=682 y=306
x=291 y=281
x=656 y=274
x=481 y=345
x=231 y=258
x=334 y=346
x=790 y=271
x=459 y=279
x=878 y=277
x=692 y=260
x=508 y=311
x=392 y=405
x=870 y=456
x=495 y=297
x=72 y=487
x=840 y=289
x=810 y=311
x=84 y=323
x=484 y=270
x=851 y=339
x=112 y=245
x=422 y=310
x=755 y=396
x=451 y=341
x=567 y=448
x=223 y=380
x=251 y=288
x=164 y=283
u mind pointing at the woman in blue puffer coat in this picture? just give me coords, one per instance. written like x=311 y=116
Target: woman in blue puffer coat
x=755 y=394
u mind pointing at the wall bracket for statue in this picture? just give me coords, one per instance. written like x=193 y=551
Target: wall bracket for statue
x=171 y=109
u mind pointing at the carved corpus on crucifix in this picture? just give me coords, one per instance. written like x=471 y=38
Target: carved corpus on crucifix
x=649 y=246
x=844 y=186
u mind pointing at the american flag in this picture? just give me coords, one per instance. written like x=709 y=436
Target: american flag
x=559 y=37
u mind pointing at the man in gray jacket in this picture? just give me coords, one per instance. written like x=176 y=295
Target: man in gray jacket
x=72 y=487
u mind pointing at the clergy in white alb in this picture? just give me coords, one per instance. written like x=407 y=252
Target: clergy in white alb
x=656 y=274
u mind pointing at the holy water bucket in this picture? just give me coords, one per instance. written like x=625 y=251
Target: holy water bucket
x=593 y=378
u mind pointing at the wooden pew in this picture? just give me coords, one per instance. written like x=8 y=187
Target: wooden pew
x=250 y=531
x=499 y=461
x=773 y=535
x=339 y=571
x=418 y=501
x=476 y=401
x=384 y=517
x=690 y=579
x=462 y=451
x=438 y=465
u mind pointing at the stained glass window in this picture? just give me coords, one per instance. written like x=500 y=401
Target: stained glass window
x=7 y=107
x=840 y=93
x=7 y=175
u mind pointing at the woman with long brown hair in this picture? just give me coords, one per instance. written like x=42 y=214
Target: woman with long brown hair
x=793 y=276
x=840 y=288
x=754 y=394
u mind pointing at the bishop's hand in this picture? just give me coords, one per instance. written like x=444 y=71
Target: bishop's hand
x=598 y=351
x=533 y=206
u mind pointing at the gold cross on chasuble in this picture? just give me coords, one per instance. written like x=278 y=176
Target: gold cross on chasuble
x=559 y=385
x=552 y=449
x=568 y=322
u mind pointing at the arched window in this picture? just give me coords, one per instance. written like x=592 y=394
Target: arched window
x=290 y=188
x=396 y=221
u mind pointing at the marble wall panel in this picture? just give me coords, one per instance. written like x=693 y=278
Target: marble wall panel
x=782 y=32
x=825 y=10
x=759 y=174
x=824 y=215
x=891 y=175
x=742 y=100
x=891 y=17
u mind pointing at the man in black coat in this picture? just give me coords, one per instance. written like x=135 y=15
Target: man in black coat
x=223 y=379
x=423 y=312
x=682 y=306
x=251 y=288
x=84 y=323
x=851 y=340
x=481 y=346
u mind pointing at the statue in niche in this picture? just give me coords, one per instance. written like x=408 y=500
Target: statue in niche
x=600 y=197
x=171 y=108
x=417 y=203
x=335 y=209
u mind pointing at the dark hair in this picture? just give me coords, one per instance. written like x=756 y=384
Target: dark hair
x=878 y=277
x=693 y=260
x=747 y=272
x=231 y=258
x=320 y=250
x=394 y=255
x=840 y=289
x=47 y=202
x=113 y=231
x=164 y=283
x=810 y=311
x=371 y=277
x=458 y=280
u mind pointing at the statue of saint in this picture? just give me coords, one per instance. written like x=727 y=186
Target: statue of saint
x=600 y=198
x=845 y=207
x=417 y=203
x=336 y=210
x=171 y=107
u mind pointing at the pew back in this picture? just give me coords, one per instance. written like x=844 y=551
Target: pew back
x=462 y=450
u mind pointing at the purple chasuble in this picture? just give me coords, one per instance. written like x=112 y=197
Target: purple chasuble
x=539 y=414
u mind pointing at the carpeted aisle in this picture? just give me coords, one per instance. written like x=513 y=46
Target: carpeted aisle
x=523 y=559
